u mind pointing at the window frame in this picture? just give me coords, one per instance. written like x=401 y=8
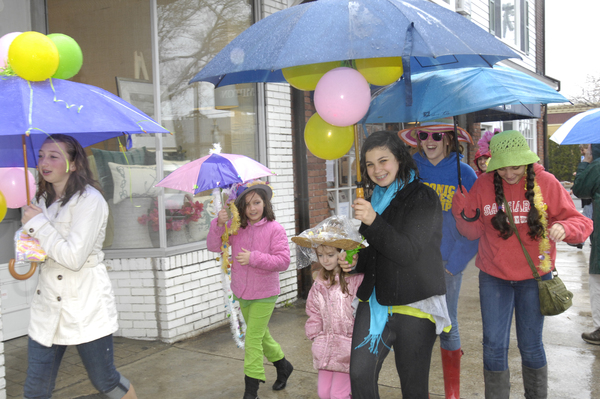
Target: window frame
x=164 y=250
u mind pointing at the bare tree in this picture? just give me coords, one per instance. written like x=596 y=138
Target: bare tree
x=590 y=93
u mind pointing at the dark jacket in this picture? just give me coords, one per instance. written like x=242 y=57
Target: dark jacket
x=403 y=260
x=587 y=185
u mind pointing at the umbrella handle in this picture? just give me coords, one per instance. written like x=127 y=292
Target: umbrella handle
x=468 y=219
x=13 y=272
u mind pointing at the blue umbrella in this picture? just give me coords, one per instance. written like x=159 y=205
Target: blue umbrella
x=583 y=128
x=426 y=35
x=31 y=111
x=444 y=93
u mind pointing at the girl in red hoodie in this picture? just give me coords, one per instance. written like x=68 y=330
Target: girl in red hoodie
x=543 y=213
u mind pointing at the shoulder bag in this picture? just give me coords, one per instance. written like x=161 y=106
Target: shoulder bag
x=555 y=298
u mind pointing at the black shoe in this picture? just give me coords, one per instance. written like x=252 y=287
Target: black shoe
x=592 y=338
x=579 y=246
x=284 y=369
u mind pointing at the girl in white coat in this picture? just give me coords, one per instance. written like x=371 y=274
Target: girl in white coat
x=74 y=302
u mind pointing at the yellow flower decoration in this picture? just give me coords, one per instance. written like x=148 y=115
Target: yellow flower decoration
x=544 y=246
x=229 y=231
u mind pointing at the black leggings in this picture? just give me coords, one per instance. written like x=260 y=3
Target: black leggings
x=412 y=339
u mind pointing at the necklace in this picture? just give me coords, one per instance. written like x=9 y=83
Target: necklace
x=544 y=246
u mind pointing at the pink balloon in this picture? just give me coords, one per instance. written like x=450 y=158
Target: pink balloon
x=5 y=42
x=342 y=97
x=12 y=185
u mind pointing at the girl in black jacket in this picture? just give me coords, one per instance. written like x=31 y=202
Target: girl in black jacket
x=402 y=295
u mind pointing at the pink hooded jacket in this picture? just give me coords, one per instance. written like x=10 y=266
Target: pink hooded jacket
x=270 y=255
x=330 y=323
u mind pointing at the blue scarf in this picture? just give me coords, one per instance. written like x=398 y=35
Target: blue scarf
x=381 y=198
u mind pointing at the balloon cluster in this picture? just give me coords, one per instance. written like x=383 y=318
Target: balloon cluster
x=35 y=56
x=342 y=98
x=12 y=189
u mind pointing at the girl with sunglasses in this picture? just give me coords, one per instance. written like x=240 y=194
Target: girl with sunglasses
x=402 y=296
x=436 y=161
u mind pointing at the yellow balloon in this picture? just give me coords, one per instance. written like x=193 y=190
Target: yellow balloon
x=33 y=56
x=2 y=206
x=306 y=77
x=326 y=141
x=380 y=71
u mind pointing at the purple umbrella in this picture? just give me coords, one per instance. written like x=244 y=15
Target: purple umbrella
x=214 y=171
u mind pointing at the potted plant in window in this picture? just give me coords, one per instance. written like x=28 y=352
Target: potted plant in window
x=177 y=220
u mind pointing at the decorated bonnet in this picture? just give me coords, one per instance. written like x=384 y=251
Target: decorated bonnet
x=335 y=231
x=239 y=190
x=510 y=148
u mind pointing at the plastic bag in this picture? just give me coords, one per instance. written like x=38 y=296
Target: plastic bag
x=27 y=248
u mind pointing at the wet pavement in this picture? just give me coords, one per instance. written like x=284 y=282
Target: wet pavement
x=211 y=366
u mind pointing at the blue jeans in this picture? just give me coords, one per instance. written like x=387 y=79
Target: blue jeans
x=97 y=357
x=499 y=298
x=451 y=340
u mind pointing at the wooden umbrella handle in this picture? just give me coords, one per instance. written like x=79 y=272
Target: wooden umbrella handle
x=13 y=272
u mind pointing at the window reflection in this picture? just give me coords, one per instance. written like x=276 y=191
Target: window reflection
x=116 y=40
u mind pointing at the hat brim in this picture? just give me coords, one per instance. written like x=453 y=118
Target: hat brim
x=344 y=243
x=409 y=135
x=265 y=187
x=500 y=161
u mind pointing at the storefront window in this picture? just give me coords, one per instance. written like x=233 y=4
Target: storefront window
x=116 y=40
x=190 y=33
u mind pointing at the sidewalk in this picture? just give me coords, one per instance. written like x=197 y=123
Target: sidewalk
x=211 y=366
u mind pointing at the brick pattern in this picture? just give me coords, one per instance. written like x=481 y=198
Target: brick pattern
x=317 y=175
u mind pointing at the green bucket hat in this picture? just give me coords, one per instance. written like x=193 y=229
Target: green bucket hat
x=510 y=148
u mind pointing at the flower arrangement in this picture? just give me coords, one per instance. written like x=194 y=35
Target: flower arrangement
x=177 y=218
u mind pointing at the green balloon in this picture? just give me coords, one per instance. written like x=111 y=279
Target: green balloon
x=70 y=56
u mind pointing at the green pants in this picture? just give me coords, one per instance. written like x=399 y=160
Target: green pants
x=258 y=342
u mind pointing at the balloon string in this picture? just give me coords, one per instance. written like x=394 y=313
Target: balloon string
x=28 y=132
x=61 y=101
x=123 y=150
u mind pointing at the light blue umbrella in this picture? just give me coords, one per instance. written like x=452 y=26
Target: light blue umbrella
x=583 y=128
x=451 y=92
x=426 y=35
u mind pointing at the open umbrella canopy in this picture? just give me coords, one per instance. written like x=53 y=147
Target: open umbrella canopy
x=583 y=128
x=444 y=93
x=38 y=109
x=214 y=171
x=427 y=35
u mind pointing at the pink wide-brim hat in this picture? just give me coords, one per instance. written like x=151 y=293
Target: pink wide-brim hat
x=409 y=136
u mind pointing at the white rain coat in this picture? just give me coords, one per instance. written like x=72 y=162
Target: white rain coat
x=74 y=301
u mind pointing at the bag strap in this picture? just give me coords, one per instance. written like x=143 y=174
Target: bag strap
x=512 y=224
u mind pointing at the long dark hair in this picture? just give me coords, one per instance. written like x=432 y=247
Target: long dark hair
x=267 y=211
x=500 y=221
x=391 y=141
x=79 y=179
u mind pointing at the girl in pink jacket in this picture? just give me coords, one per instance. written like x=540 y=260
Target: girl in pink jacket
x=329 y=306
x=260 y=250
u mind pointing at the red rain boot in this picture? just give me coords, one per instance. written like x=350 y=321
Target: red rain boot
x=451 y=367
